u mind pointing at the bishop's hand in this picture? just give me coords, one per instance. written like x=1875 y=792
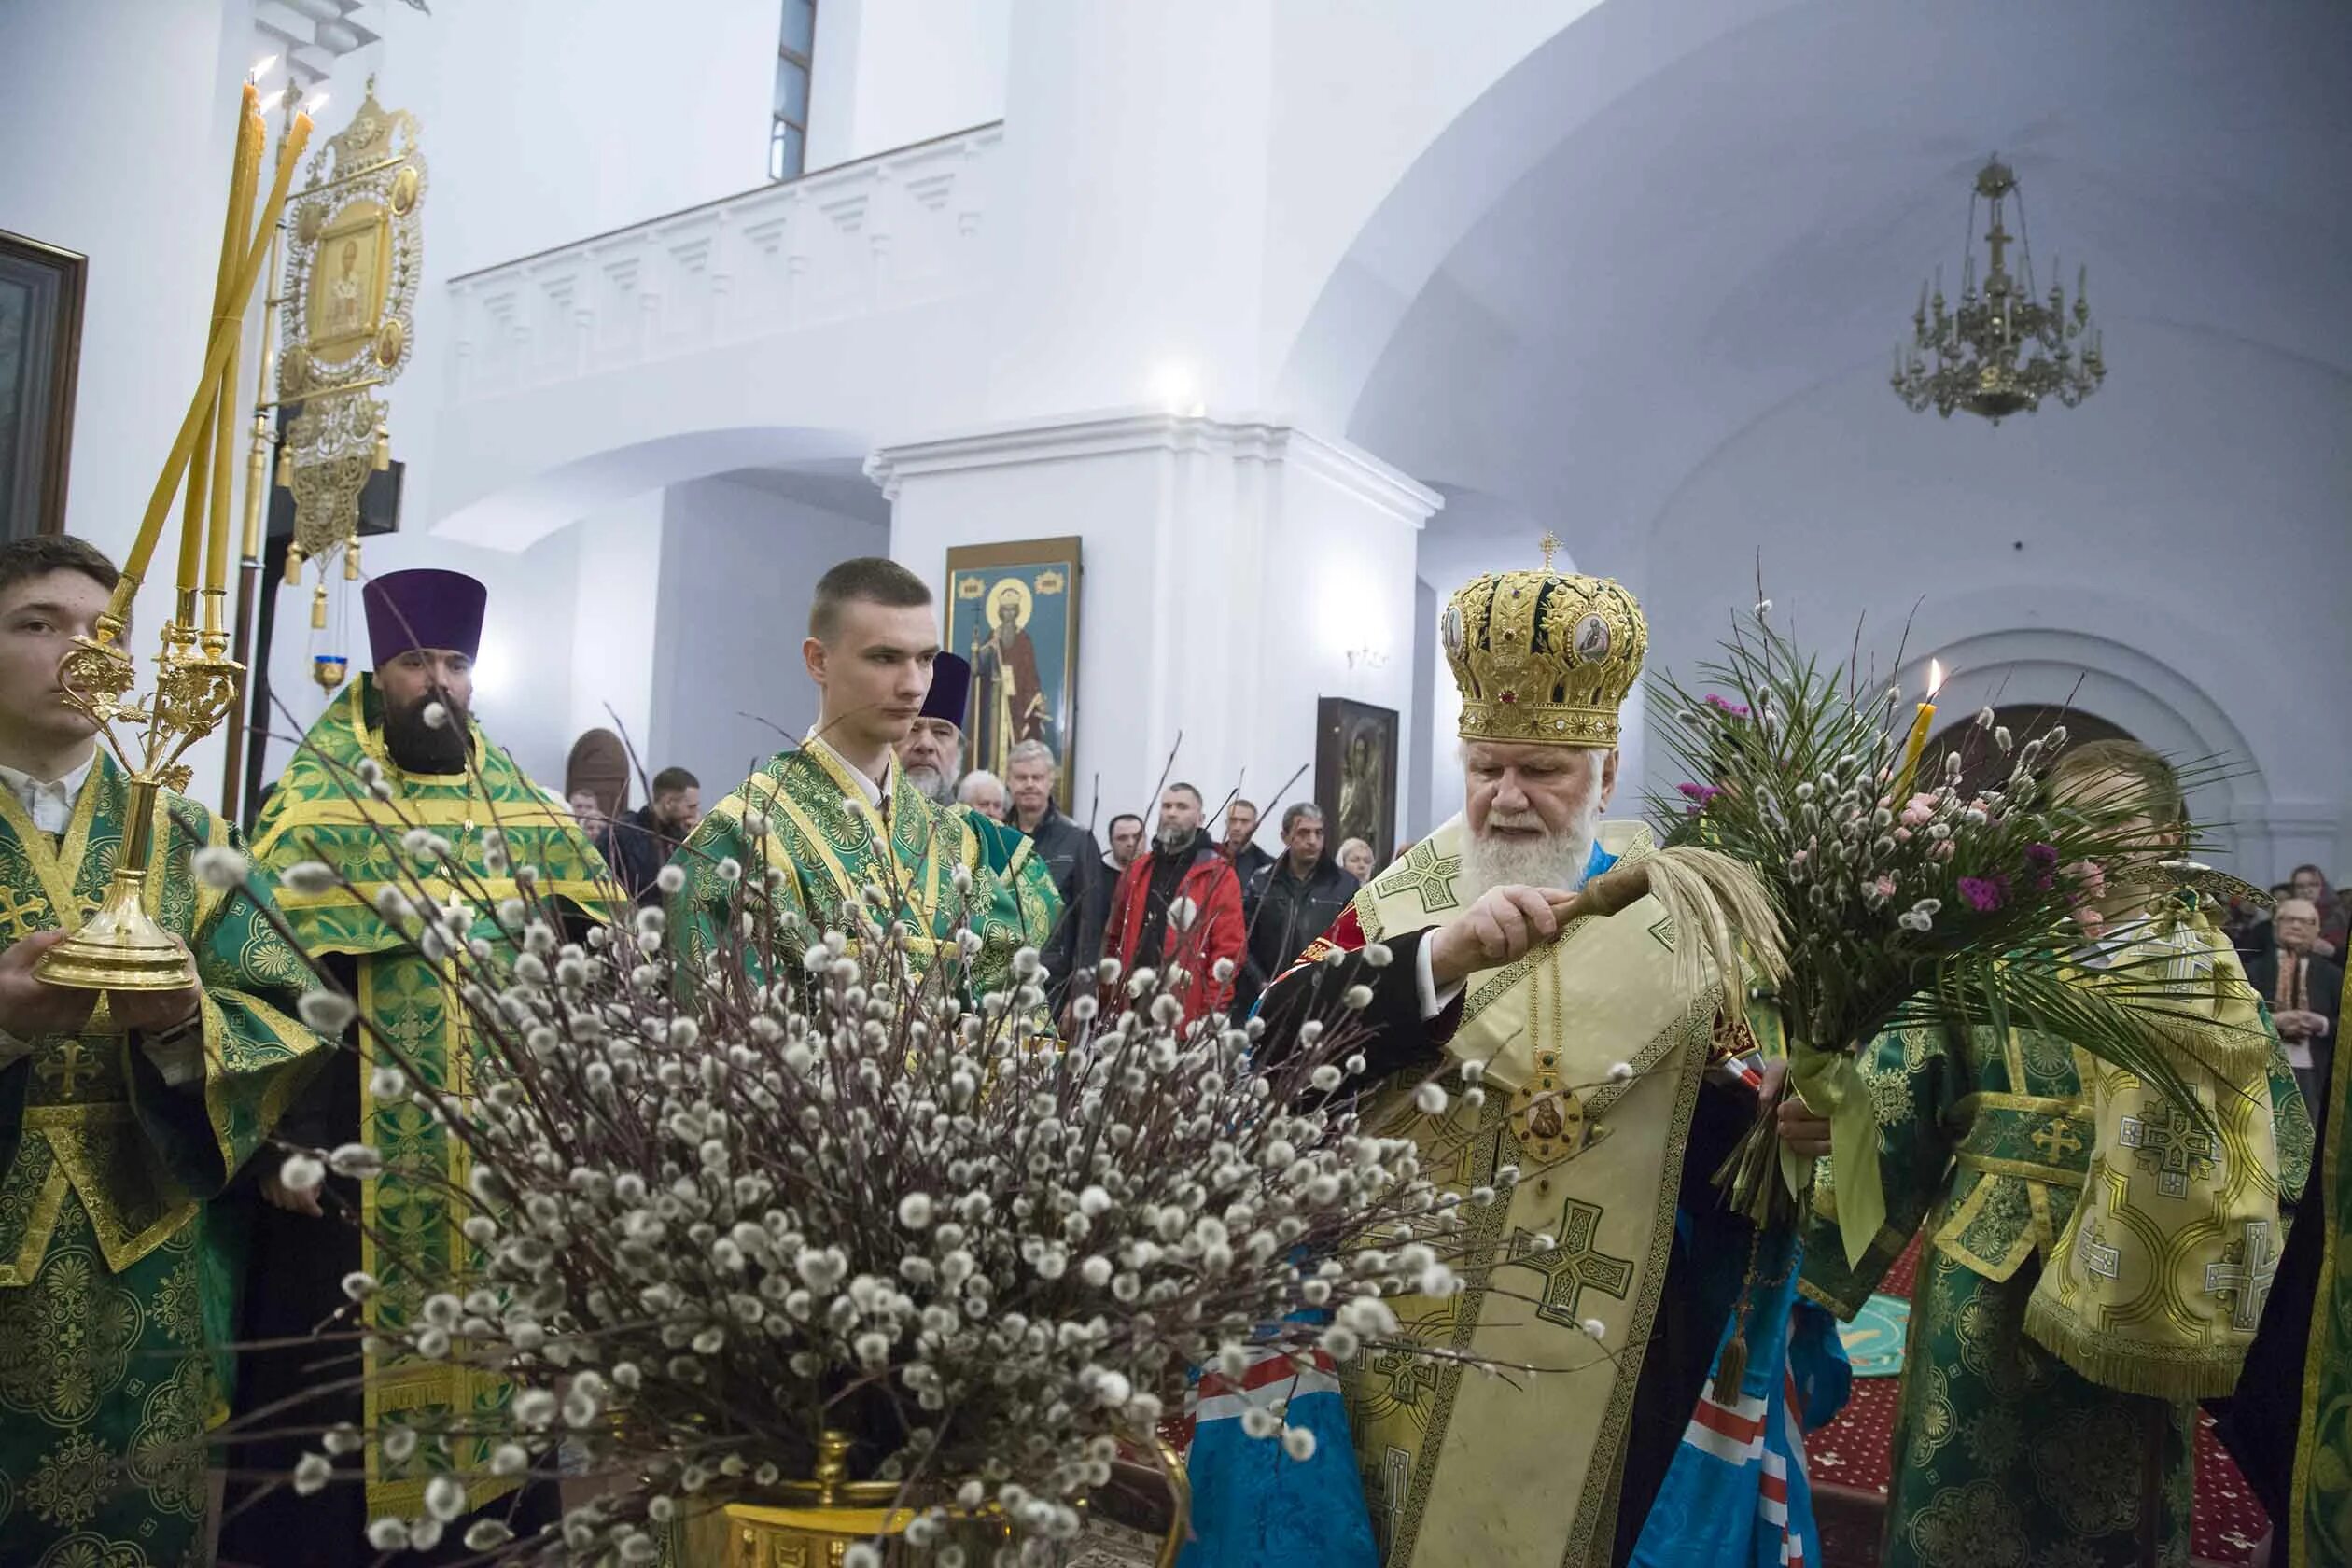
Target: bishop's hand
x=1497 y=930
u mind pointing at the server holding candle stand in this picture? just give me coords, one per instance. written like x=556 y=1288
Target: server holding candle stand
x=148 y=1014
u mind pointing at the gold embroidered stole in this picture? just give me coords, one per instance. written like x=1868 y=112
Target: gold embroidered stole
x=2158 y=1281
x=1518 y=1471
x=79 y=1134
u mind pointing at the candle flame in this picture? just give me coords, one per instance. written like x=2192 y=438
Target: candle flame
x=318 y=102
x=267 y=64
x=1935 y=678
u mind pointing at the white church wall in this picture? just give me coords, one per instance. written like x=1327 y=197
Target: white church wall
x=613 y=629
x=1228 y=571
x=738 y=567
x=129 y=166
x=889 y=73
x=2181 y=546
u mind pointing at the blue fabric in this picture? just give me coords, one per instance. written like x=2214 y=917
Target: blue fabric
x=1733 y=1504
x=1254 y=1505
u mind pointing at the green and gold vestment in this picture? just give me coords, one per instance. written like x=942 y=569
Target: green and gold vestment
x=2004 y=1454
x=105 y=1308
x=321 y=812
x=832 y=846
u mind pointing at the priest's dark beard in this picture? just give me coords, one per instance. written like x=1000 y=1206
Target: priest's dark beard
x=417 y=746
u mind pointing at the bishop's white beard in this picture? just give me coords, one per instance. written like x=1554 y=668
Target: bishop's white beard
x=931 y=784
x=1554 y=860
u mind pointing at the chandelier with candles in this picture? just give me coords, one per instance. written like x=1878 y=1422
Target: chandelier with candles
x=2003 y=349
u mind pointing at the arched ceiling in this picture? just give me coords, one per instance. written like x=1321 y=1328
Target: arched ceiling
x=1754 y=218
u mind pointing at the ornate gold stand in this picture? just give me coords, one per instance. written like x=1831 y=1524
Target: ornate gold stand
x=814 y=1524
x=121 y=948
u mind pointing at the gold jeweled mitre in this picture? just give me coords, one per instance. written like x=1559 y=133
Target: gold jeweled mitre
x=1543 y=657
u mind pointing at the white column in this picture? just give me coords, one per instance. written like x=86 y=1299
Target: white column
x=1233 y=572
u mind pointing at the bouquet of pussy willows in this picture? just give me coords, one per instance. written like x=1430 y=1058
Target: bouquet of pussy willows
x=1910 y=899
x=829 y=1200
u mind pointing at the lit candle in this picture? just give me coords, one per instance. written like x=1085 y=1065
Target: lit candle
x=244 y=166
x=160 y=498
x=1918 y=741
x=252 y=134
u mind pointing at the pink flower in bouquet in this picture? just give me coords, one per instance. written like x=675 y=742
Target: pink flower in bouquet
x=1985 y=894
x=1698 y=795
x=2042 y=858
x=1884 y=886
x=1919 y=811
x=1724 y=706
x=1941 y=850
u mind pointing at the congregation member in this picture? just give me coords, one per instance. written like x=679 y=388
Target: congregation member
x=1069 y=855
x=1294 y=901
x=1456 y=943
x=397 y=749
x=2306 y=994
x=983 y=792
x=643 y=841
x=2028 y=1424
x=836 y=814
x=1181 y=905
x=1240 y=844
x=121 y=1111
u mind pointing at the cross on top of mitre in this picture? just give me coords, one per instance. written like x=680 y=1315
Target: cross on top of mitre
x=1548 y=544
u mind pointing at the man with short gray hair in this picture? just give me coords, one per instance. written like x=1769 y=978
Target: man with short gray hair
x=1072 y=857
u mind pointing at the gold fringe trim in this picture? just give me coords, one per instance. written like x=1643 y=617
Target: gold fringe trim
x=2131 y=1365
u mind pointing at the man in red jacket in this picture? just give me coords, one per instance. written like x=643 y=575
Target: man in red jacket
x=1180 y=905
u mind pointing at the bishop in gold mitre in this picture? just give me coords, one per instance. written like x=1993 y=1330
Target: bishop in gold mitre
x=1588 y=1047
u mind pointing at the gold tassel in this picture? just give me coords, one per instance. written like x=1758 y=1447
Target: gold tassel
x=1731 y=1368
x=318 y=608
x=382 y=447
x=351 y=559
x=293 y=565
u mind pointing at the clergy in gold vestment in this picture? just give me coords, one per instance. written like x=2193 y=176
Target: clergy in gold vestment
x=1591 y=1058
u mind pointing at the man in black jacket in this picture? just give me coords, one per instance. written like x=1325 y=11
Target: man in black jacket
x=1240 y=846
x=1291 y=901
x=1072 y=859
x=643 y=840
x=2305 y=993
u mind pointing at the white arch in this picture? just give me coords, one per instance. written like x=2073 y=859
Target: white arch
x=529 y=505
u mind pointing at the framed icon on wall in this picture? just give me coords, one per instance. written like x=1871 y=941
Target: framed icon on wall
x=1012 y=610
x=40 y=356
x=1356 y=774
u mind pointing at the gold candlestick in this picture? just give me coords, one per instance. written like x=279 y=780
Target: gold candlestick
x=123 y=946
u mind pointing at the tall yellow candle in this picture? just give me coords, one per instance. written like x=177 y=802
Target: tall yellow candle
x=244 y=167
x=252 y=134
x=160 y=498
x=1918 y=742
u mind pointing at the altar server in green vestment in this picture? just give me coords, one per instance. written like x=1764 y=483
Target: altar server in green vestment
x=397 y=753
x=2096 y=1261
x=827 y=820
x=120 y=1114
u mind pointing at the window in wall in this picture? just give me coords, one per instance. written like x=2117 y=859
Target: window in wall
x=788 y=129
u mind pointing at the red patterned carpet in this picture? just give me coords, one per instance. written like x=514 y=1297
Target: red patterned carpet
x=1848 y=1460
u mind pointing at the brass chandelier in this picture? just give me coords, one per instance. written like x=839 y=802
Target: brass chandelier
x=2002 y=351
